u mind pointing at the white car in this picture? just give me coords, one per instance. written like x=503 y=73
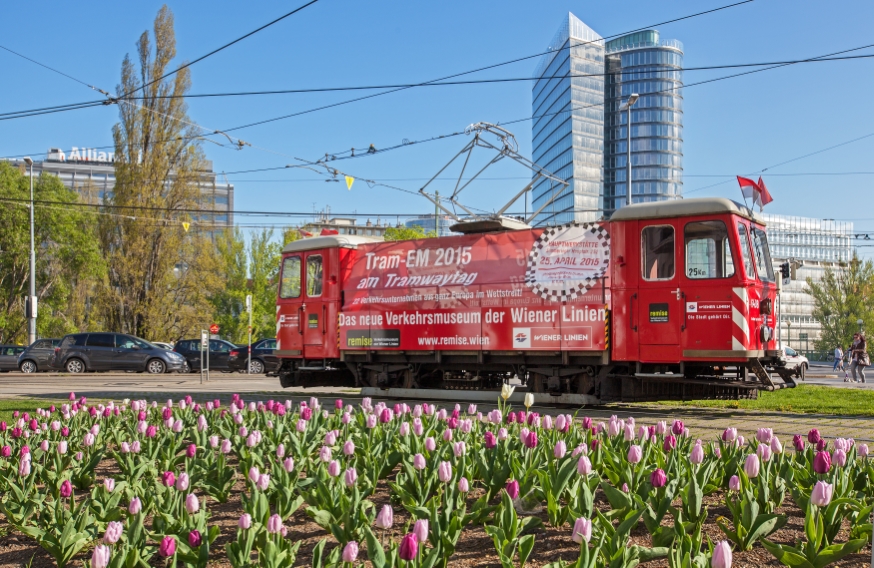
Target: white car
x=795 y=361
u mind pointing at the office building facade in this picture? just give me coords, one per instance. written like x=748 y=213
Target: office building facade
x=579 y=132
x=426 y=223
x=91 y=173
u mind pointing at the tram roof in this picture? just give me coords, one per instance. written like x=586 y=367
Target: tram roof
x=330 y=241
x=684 y=208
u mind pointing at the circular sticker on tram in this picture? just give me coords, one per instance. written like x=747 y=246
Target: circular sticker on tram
x=567 y=260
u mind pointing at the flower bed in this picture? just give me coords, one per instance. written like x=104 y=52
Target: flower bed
x=276 y=484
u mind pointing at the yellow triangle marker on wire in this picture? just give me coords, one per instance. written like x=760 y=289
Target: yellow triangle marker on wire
x=185 y=225
x=349 y=181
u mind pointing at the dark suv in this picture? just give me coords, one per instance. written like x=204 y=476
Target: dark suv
x=263 y=359
x=80 y=352
x=219 y=351
x=38 y=356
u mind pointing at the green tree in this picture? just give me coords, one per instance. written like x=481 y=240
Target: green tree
x=68 y=261
x=247 y=269
x=408 y=233
x=840 y=299
x=161 y=275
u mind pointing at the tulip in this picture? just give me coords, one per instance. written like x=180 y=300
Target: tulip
x=776 y=446
x=274 y=524
x=729 y=435
x=584 y=466
x=463 y=485
x=182 y=482
x=66 y=489
x=752 y=466
x=44 y=446
x=350 y=477
x=245 y=521
x=721 y=555
x=109 y=484
x=194 y=539
x=503 y=434
x=371 y=421
x=489 y=440
x=697 y=454
x=350 y=551
x=529 y=399
x=385 y=518
x=560 y=449
x=764 y=452
x=409 y=548
x=100 y=556
x=764 y=435
x=430 y=444
x=513 y=489
x=325 y=454
x=192 y=505
x=420 y=529
x=135 y=506
x=678 y=428
x=444 y=472
x=6 y=451
x=821 y=445
x=635 y=454
x=734 y=483
x=822 y=463
x=288 y=464
x=507 y=391
x=814 y=436
x=614 y=426
x=151 y=432
x=167 y=547
x=863 y=450
x=822 y=493
x=254 y=474
x=670 y=443
x=643 y=433
x=62 y=448
x=447 y=435
x=88 y=440
x=582 y=530
x=839 y=458
x=658 y=478
x=334 y=468
x=560 y=422
x=113 y=532
x=459 y=448
x=530 y=440
x=629 y=432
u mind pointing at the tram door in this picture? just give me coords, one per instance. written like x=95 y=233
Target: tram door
x=660 y=312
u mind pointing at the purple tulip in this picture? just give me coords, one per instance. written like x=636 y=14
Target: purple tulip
x=822 y=493
x=531 y=440
x=721 y=555
x=678 y=428
x=821 y=445
x=194 y=539
x=670 y=443
x=658 y=478
x=814 y=436
x=798 y=442
x=167 y=547
x=822 y=463
x=513 y=489
x=489 y=440
x=409 y=548
x=5 y=451
x=66 y=489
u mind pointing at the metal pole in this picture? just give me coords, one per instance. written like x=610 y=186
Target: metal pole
x=201 y=355
x=437 y=213
x=31 y=323
x=628 y=164
x=249 y=305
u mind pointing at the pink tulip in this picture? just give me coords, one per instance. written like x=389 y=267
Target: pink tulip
x=822 y=493
x=371 y=421
x=658 y=478
x=385 y=518
x=245 y=521
x=113 y=532
x=334 y=468
x=839 y=458
x=288 y=464
x=752 y=466
x=226 y=446
x=629 y=432
x=678 y=428
x=503 y=434
x=776 y=446
x=167 y=547
x=670 y=443
x=109 y=484
x=409 y=548
x=582 y=530
x=721 y=555
x=350 y=551
x=194 y=539
x=419 y=462
x=635 y=454
x=62 y=447
x=274 y=524
x=560 y=449
x=182 y=482
x=430 y=444
x=513 y=489
x=325 y=454
x=350 y=477
x=530 y=440
x=584 y=466
x=814 y=436
x=263 y=482
x=764 y=435
x=192 y=505
x=489 y=440
x=459 y=448
x=444 y=472
x=463 y=485
x=729 y=435
x=822 y=463
x=581 y=449
x=100 y=556
x=697 y=454
x=863 y=450
x=135 y=506
x=734 y=483
x=349 y=448
x=764 y=452
x=420 y=529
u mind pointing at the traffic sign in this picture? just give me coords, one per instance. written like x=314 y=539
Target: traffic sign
x=204 y=340
x=214 y=328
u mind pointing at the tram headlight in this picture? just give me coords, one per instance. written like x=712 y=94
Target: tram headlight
x=766 y=333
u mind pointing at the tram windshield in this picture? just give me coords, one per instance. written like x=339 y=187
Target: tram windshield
x=762 y=254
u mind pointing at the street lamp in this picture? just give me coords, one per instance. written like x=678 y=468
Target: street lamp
x=627 y=106
x=31 y=300
x=860 y=322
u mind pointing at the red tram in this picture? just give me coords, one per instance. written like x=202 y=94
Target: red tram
x=664 y=300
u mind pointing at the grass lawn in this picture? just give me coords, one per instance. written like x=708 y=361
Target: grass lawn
x=803 y=399
x=9 y=405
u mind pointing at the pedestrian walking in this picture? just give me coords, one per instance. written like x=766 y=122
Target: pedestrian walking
x=860 y=357
x=839 y=359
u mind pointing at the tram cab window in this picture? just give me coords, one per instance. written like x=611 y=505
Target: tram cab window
x=708 y=252
x=289 y=286
x=762 y=255
x=657 y=244
x=314 y=276
x=745 y=250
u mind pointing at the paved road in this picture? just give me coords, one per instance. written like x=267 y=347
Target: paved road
x=703 y=423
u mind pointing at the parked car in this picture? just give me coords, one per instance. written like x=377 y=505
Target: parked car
x=38 y=356
x=162 y=345
x=9 y=357
x=219 y=351
x=795 y=361
x=263 y=359
x=80 y=352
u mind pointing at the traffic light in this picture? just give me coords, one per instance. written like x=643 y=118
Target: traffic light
x=784 y=272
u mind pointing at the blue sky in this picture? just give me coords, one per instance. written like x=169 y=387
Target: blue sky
x=731 y=127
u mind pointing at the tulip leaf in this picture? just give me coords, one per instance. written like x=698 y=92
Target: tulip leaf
x=526 y=546
x=787 y=555
x=835 y=552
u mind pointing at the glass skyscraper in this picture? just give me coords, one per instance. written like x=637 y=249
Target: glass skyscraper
x=579 y=134
x=642 y=63
x=568 y=124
